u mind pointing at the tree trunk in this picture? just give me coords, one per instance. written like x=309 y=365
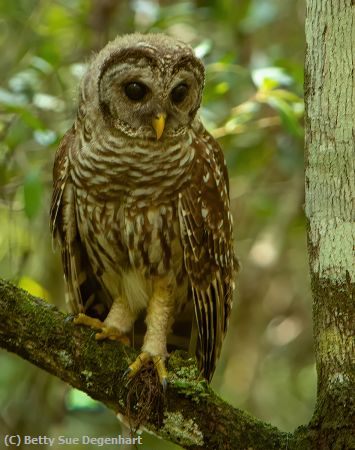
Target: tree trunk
x=330 y=113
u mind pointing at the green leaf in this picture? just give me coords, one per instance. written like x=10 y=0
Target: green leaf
x=203 y=48
x=270 y=77
x=222 y=88
x=31 y=119
x=289 y=118
x=33 y=192
x=45 y=137
x=33 y=287
x=78 y=400
x=25 y=81
x=8 y=98
x=41 y=65
x=48 y=102
x=287 y=95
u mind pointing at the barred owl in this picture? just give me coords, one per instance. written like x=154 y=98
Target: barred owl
x=140 y=204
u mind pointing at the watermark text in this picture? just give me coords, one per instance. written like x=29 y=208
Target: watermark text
x=15 y=440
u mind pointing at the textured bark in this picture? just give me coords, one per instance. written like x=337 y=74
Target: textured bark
x=193 y=416
x=330 y=108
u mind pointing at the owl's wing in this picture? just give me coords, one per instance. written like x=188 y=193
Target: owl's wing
x=60 y=179
x=83 y=289
x=63 y=220
x=206 y=229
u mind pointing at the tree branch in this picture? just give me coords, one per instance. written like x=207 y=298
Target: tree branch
x=193 y=417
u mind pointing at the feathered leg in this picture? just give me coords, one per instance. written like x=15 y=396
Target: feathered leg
x=118 y=322
x=160 y=313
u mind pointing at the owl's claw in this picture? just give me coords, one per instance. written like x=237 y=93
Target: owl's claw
x=164 y=384
x=83 y=319
x=113 y=334
x=159 y=365
x=106 y=332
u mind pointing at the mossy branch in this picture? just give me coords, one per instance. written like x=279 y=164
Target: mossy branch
x=193 y=415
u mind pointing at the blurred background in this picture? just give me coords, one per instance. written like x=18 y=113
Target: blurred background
x=253 y=52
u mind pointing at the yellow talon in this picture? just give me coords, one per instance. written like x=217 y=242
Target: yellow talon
x=140 y=361
x=106 y=332
x=161 y=369
x=136 y=366
x=83 y=319
x=113 y=334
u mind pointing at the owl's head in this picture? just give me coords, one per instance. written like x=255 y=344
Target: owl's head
x=149 y=86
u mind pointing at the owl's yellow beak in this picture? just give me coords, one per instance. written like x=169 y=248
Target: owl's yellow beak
x=158 y=123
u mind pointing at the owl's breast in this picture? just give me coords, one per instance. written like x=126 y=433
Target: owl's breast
x=127 y=200
x=107 y=167
x=151 y=234
x=131 y=232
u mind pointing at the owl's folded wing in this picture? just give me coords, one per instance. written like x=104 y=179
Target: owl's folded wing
x=83 y=289
x=206 y=229
x=63 y=221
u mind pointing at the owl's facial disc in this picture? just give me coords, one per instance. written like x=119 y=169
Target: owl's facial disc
x=146 y=96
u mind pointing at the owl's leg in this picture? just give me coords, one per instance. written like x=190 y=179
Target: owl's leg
x=119 y=318
x=160 y=312
x=117 y=323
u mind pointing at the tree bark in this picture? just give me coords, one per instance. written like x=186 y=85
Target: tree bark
x=330 y=113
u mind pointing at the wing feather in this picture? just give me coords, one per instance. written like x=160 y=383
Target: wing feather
x=206 y=231
x=60 y=177
x=63 y=221
x=83 y=291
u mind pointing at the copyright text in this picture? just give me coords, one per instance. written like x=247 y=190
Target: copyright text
x=15 y=440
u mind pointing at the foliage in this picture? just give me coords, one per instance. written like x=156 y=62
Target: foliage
x=254 y=55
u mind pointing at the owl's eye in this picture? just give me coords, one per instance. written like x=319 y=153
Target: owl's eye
x=178 y=94
x=135 y=91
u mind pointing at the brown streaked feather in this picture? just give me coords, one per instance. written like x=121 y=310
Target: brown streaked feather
x=84 y=292
x=206 y=229
x=60 y=176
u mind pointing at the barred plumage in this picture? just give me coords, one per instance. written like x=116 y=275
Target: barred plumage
x=140 y=204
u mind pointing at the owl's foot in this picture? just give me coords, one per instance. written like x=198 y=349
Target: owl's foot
x=83 y=319
x=106 y=332
x=159 y=365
